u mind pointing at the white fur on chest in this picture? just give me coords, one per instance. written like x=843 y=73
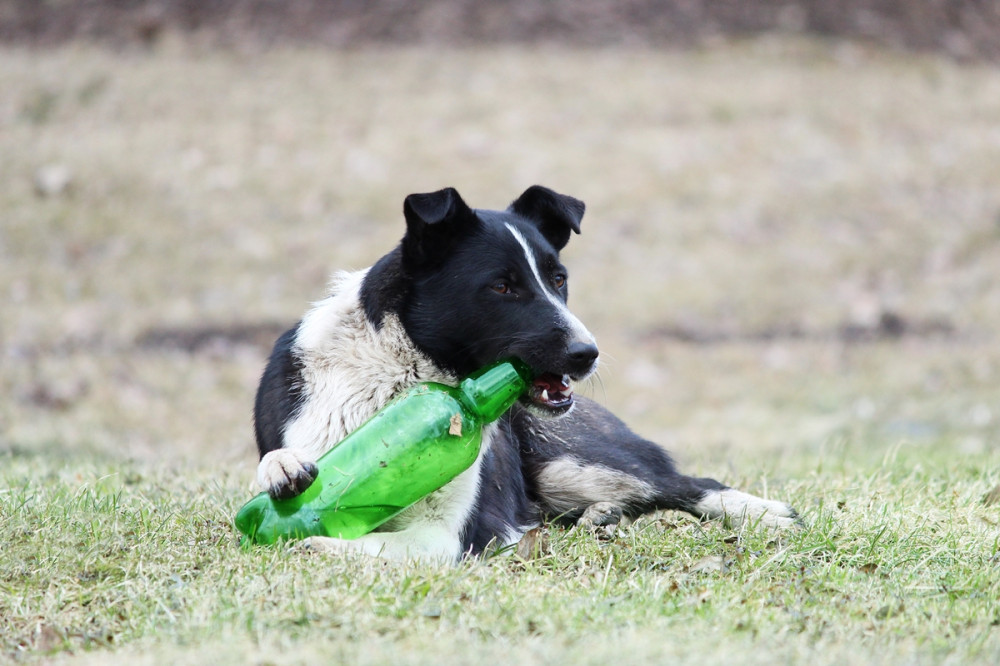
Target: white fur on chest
x=350 y=368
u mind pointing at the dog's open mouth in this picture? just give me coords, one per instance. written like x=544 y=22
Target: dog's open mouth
x=553 y=392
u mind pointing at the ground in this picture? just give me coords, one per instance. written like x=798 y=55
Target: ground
x=789 y=260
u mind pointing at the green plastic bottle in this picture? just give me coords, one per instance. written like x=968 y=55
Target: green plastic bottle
x=414 y=445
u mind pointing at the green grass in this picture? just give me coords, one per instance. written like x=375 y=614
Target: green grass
x=899 y=563
x=761 y=196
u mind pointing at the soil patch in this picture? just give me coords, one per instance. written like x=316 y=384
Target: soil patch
x=963 y=28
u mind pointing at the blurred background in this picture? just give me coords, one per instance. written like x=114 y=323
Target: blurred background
x=789 y=256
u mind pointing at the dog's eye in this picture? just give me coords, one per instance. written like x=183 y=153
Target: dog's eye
x=501 y=287
x=559 y=280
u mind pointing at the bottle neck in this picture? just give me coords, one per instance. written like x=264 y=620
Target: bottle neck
x=491 y=392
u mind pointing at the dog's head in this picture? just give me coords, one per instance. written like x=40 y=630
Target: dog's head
x=473 y=286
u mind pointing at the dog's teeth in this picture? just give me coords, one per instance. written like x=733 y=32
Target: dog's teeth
x=545 y=395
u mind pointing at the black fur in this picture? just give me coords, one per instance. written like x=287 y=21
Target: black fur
x=279 y=394
x=505 y=499
x=385 y=288
x=435 y=223
x=556 y=214
x=586 y=434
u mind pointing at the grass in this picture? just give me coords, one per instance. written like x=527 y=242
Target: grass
x=756 y=212
x=898 y=564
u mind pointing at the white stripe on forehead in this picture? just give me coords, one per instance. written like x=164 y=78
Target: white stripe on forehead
x=577 y=331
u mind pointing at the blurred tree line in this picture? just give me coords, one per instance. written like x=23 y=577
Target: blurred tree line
x=962 y=28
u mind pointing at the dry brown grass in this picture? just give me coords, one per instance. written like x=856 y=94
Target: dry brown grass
x=764 y=199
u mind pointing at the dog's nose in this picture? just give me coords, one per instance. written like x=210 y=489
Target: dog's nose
x=581 y=356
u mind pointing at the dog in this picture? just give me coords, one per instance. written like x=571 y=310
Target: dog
x=463 y=289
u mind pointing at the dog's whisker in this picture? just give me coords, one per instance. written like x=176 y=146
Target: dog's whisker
x=596 y=380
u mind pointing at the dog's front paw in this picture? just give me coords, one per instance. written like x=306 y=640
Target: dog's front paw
x=283 y=473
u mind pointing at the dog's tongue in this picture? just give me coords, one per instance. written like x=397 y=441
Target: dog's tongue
x=552 y=391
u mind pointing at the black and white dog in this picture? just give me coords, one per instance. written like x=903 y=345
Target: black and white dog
x=463 y=289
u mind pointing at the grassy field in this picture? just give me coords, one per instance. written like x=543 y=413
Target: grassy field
x=789 y=259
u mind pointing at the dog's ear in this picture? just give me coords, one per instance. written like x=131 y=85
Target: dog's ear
x=555 y=214
x=434 y=221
